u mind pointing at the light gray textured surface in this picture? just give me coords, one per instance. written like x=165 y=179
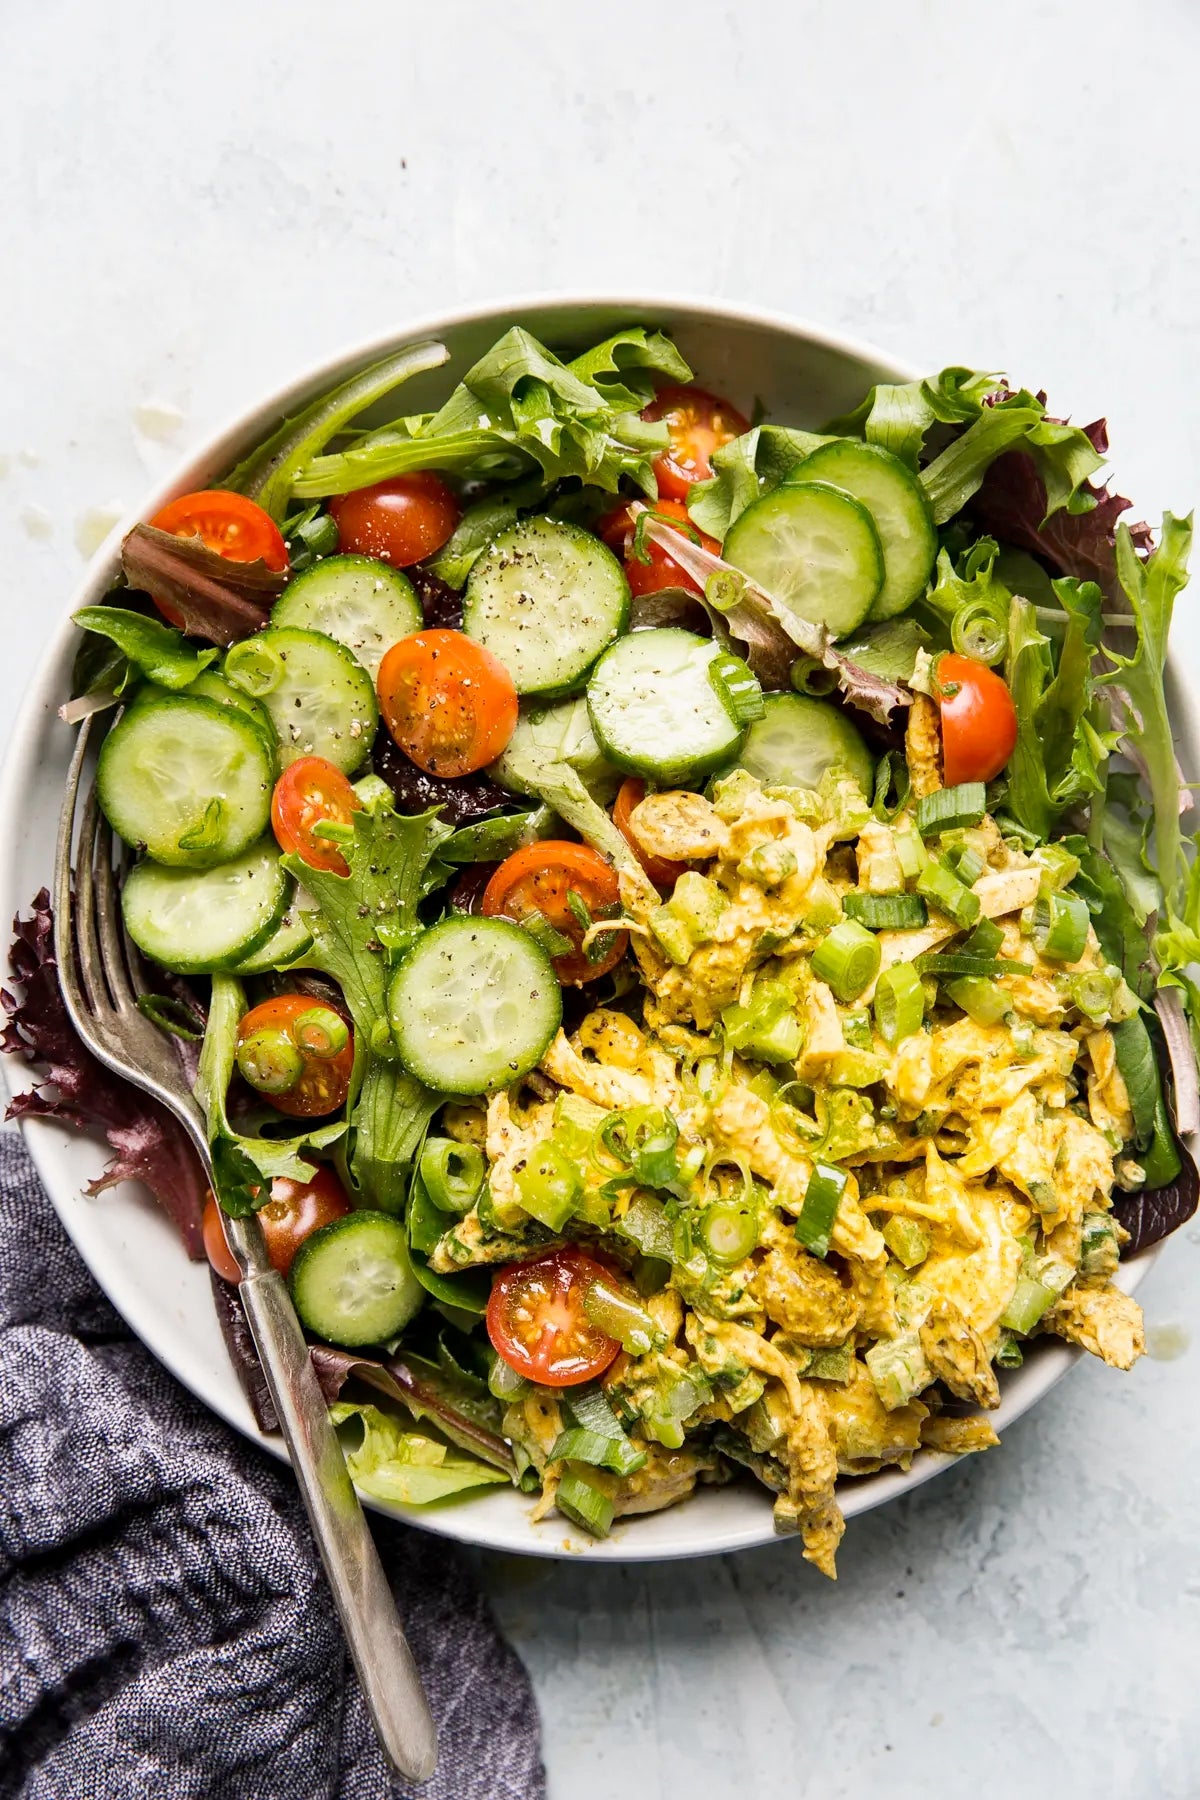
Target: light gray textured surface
x=197 y=203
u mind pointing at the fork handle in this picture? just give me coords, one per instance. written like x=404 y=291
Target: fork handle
x=364 y=1600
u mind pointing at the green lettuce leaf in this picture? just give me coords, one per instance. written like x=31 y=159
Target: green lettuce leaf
x=898 y=416
x=156 y=651
x=1064 y=456
x=1061 y=749
x=391 y=1463
x=521 y=408
x=743 y=469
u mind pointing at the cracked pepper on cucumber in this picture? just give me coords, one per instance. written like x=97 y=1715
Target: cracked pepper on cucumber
x=780 y=1046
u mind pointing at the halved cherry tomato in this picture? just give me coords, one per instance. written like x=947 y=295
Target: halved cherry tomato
x=663 y=873
x=536 y=1321
x=699 y=423
x=297 y=1052
x=226 y=523
x=539 y=879
x=401 y=521
x=448 y=703
x=979 y=720
x=662 y=571
x=312 y=792
x=295 y=1210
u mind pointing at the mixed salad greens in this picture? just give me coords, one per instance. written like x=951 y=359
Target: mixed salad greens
x=675 y=922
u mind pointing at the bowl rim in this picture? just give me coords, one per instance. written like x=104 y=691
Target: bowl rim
x=216 y=451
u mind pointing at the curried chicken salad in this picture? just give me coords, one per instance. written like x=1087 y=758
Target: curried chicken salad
x=682 y=927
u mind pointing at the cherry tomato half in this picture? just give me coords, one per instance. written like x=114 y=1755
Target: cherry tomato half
x=295 y=1210
x=979 y=720
x=448 y=703
x=699 y=423
x=312 y=792
x=536 y=1321
x=227 y=523
x=662 y=571
x=540 y=879
x=662 y=872
x=401 y=521
x=297 y=1052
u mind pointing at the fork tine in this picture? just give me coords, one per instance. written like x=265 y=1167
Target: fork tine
x=91 y=960
x=108 y=916
x=64 y=929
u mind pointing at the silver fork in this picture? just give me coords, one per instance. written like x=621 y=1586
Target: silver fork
x=100 y=976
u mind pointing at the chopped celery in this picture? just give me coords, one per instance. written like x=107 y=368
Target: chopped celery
x=1099 y=1250
x=831 y=1364
x=621 y=1317
x=898 y=1368
x=945 y=891
x=822 y=1197
x=980 y=998
x=907 y=1240
x=548 y=1186
x=768 y=1028
x=1030 y=1300
x=768 y=865
x=699 y=903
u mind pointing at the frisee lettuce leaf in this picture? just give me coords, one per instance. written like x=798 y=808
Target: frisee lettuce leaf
x=391 y=1463
x=521 y=408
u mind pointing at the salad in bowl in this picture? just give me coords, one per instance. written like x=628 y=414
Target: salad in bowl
x=680 y=925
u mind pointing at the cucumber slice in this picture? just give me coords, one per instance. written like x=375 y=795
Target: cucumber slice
x=474 y=1005
x=815 y=550
x=320 y=698
x=657 y=709
x=197 y=921
x=798 y=738
x=189 y=779
x=359 y=602
x=287 y=945
x=546 y=598
x=352 y=1281
x=208 y=685
x=896 y=502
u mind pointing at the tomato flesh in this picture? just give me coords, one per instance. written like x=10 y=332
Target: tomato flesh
x=979 y=720
x=226 y=523
x=401 y=521
x=323 y=1081
x=448 y=703
x=661 y=571
x=312 y=792
x=662 y=872
x=540 y=879
x=699 y=423
x=295 y=1210
x=536 y=1321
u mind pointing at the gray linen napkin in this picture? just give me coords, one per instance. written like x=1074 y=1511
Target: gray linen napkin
x=164 y=1626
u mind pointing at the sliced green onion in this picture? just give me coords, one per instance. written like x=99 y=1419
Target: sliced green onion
x=737 y=687
x=1009 y=1354
x=909 y=849
x=886 y=912
x=1058 y=866
x=907 y=1240
x=547 y=936
x=966 y=863
x=979 y=629
x=898 y=1368
x=1031 y=1298
x=952 y=808
x=728 y=1230
x=1099 y=1250
x=980 y=999
x=856 y=1029
x=452 y=1173
x=1093 y=992
x=270 y=1060
x=254 y=667
x=822 y=1197
x=321 y=1031
x=947 y=893
x=899 y=1003
x=724 y=589
x=584 y=1503
x=643 y=1139
x=664 y=1415
x=943 y=963
x=548 y=1187
x=985 y=940
x=617 y=1454
x=619 y=1316
x=848 y=959
x=1060 y=926
x=811 y=677
x=588 y=1408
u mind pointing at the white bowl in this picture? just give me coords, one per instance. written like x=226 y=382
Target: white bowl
x=803 y=376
